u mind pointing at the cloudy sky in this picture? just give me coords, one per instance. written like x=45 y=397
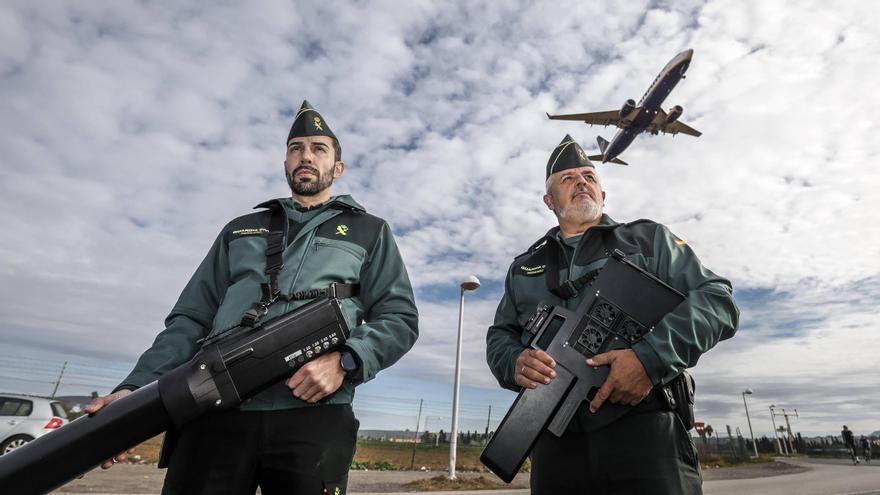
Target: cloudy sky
x=131 y=132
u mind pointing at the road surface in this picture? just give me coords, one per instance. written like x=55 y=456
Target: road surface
x=809 y=477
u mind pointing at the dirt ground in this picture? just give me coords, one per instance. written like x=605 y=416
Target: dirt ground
x=146 y=478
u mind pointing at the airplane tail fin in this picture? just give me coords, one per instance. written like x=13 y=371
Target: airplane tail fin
x=601 y=158
x=602 y=145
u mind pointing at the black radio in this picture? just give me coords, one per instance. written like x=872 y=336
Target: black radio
x=622 y=304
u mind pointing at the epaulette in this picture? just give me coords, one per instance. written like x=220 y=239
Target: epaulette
x=540 y=243
x=636 y=222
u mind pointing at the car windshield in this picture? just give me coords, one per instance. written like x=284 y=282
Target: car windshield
x=58 y=410
x=10 y=406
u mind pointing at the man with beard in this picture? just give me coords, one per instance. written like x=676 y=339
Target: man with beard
x=648 y=450
x=297 y=436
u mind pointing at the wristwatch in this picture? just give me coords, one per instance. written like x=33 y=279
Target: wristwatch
x=348 y=362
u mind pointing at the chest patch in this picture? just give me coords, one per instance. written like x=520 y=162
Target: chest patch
x=244 y=232
x=532 y=271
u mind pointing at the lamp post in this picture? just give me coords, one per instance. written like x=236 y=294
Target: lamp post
x=469 y=283
x=751 y=433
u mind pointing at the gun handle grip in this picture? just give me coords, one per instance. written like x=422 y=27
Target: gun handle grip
x=568 y=408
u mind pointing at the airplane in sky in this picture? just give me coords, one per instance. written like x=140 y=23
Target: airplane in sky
x=633 y=119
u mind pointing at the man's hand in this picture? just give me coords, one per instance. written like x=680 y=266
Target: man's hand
x=96 y=405
x=533 y=367
x=627 y=382
x=317 y=379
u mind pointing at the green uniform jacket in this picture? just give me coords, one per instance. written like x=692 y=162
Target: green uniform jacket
x=708 y=315
x=339 y=242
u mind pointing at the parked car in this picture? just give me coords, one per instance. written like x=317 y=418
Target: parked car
x=24 y=418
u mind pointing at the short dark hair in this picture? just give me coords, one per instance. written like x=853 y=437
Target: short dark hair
x=337 y=149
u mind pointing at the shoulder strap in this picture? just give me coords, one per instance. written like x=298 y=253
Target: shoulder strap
x=571 y=288
x=275 y=244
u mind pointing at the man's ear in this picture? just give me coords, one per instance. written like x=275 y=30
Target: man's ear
x=603 y=198
x=548 y=200
x=338 y=168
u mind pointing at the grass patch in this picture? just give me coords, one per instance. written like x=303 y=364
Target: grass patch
x=430 y=457
x=376 y=455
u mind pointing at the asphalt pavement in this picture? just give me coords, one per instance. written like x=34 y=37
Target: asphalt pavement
x=824 y=477
x=812 y=477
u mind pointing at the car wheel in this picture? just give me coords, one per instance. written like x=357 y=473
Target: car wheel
x=13 y=443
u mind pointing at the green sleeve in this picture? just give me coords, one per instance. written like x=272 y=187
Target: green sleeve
x=707 y=315
x=503 y=340
x=391 y=320
x=190 y=319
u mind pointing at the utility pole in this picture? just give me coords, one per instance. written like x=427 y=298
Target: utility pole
x=784 y=444
x=788 y=425
x=488 y=418
x=412 y=459
x=775 y=435
x=748 y=391
x=730 y=440
x=58 y=382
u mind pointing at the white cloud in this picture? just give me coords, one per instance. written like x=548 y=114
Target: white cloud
x=132 y=132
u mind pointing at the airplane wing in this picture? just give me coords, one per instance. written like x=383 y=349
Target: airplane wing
x=611 y=117
x=659 y=124
x=678 y=127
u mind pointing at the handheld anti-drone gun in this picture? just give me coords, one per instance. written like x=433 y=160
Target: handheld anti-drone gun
x=622 y=304
x=227 y=370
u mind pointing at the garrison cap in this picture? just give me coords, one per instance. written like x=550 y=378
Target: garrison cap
x=308 y=122
x=567 y=154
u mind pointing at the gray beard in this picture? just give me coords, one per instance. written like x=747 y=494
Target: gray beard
x=312 y=188
x=585 y=212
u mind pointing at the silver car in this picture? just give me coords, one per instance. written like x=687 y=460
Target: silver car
x=24 y=418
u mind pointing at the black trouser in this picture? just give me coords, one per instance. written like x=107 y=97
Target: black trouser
x=293 y=451
x=640 y=453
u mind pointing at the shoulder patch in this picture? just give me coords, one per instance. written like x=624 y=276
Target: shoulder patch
x=256 y=223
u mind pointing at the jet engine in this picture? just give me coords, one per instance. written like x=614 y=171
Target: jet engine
x=628 y=106
x=674 y=114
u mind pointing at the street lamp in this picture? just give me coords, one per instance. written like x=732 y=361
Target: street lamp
x=754 y=445
x=469 y=283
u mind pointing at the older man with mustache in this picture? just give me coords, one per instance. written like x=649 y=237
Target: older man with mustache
x=648 y=450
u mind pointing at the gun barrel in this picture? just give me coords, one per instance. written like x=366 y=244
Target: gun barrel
x=57 y=457
x=523 y=424
x=220 y=376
